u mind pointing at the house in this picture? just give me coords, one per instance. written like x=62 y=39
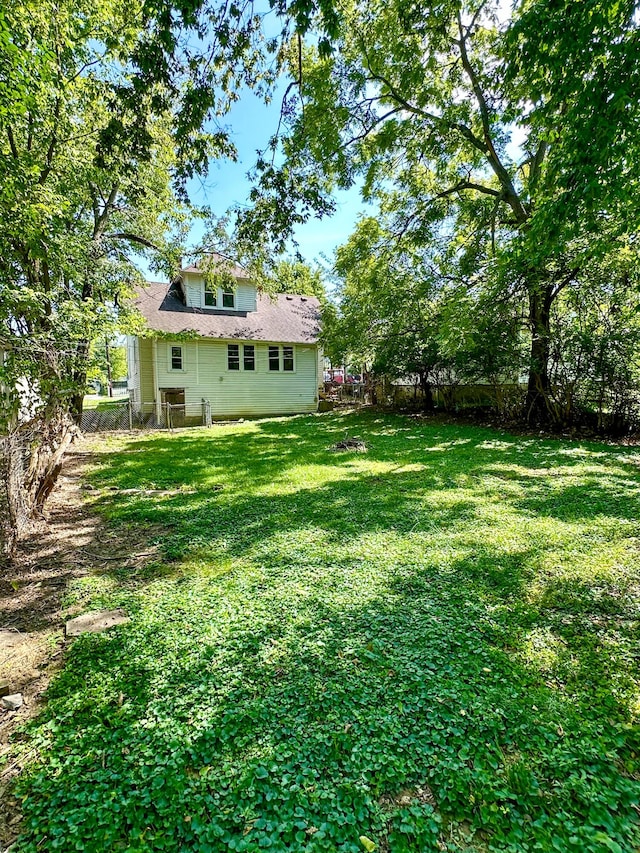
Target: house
x=213 y=340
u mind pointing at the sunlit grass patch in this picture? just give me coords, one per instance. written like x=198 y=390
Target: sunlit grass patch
x=432 y=645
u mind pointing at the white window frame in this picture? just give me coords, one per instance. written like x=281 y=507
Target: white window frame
x=293 y=357
x=255 y=358
x=241 y=345
x=170 y=348
x=209 y=289
x=280 y=348
x=234 y=344
x=269 y=368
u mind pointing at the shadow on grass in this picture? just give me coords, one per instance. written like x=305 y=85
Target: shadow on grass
x=300 y=721
x=381 y=650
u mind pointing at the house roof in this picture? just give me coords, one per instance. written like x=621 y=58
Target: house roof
x=215 y=261
x=281 y=319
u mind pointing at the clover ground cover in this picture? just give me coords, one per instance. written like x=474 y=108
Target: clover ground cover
x=431 y=646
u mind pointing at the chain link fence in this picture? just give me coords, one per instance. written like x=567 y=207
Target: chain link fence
x=145 y=416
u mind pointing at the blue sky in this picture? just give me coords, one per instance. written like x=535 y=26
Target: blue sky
x=251 y=123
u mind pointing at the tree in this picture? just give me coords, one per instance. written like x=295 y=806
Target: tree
x=107 y=361
x=102 y=106
x=423 y=107
x=297 y=276
x=398 y=314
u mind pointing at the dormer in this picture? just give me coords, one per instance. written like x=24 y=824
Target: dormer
x=218 y=286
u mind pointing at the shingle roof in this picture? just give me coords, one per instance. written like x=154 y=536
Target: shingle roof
x=215 y=261
x=281 y=319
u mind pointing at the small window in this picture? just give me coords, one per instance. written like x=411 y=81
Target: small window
x=274 y=358
x=228 y=299
x=287 y=359
x=210 y=296
x=233 y=356
x=176 y=358
x=249 y=357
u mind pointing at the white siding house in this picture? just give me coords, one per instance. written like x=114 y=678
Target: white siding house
x=245 y=353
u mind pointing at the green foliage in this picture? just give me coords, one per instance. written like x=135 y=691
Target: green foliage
x=424 y=111
x=430 y=647
x=102 y=113
x=401 y=317
x=97 y=362
x=296 y=276
x=75 y=209
x=576 y=64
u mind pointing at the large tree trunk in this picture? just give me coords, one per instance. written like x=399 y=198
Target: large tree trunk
x=79 y=381
x=427 y=393
x=31 y=459
x=538 y=403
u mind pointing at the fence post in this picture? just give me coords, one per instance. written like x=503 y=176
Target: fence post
x=130 y=412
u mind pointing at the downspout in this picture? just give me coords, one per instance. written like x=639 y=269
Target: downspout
x=154 y=366
x=319 y=356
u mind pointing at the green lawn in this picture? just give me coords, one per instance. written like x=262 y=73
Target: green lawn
x=95 y=401
x=431 y=645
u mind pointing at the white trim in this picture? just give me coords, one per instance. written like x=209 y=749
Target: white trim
x=170 y=367
x=280 y=348
x=241 y=345
x=154 y=366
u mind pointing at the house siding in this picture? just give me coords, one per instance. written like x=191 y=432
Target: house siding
x=245 y=297
x=245 y=294
x=146 y=371
x=205 y=375
x=194 y=294
x=133 y=368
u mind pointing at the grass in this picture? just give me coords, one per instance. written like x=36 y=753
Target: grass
x=95 y=401
x=431 y=646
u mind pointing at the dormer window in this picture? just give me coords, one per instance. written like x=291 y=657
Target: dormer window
x=228 y=299
x=210 y=296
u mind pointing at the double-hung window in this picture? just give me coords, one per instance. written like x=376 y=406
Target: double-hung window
x=176 y=358
x=210 y=295
x=287 y=359
x=286 y=363
x=233 y=356
x=249 y=353
x=274 y=358
x=248 y=361
x=228 y=299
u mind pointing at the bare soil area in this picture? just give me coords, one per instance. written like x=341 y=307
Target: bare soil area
x=70 y=543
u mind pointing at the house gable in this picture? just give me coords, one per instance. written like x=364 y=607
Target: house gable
x=210 y=295
x=257 y=356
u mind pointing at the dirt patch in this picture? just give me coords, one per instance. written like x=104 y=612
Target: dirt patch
x=421 y=794
x=354 y=445
x=70 y=544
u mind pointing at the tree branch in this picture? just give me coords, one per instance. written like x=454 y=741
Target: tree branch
x=510 y=194
x=133 y=238
x=469 y=185
x=12 y=142
x=100 y=223
x=565 y=281
x=44 y=174
x=535 y=167
x=437 y=120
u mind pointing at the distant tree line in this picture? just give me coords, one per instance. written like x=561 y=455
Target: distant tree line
x=501 y=158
